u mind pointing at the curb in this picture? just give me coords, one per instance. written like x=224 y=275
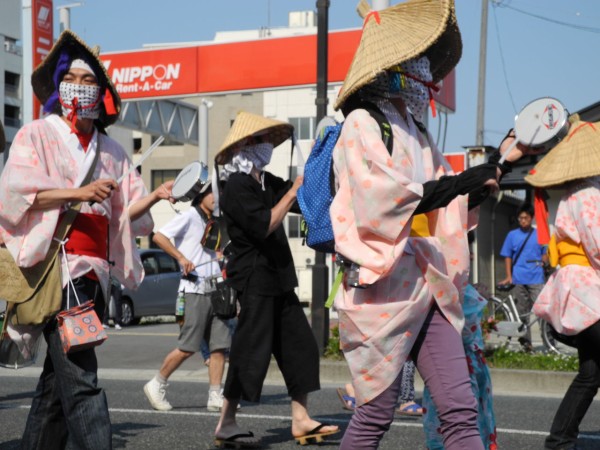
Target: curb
x=530 y=383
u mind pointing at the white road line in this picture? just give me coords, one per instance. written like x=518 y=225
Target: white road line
x=330 y=420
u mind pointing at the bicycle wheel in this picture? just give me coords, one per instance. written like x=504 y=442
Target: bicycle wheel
x=496 y=311
x=553 y=344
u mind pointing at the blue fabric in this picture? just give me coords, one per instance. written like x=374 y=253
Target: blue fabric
x=314 y=196
x=481 y=382
x=524 y=272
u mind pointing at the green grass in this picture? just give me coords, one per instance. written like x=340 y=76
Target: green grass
x=502 y=358
x=499 y=358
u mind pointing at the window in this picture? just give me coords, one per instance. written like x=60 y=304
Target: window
x=293 y=223
x=12 y=116
x=150 y=265
x=294 y=220
x=166 y=263
x=160 y=176
x=11 y=81
x=304 y=126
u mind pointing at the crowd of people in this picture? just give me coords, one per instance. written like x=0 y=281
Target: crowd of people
x=412 y=307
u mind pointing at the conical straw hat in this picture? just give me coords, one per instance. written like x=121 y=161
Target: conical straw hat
x=576 y=156
x=42 y=77
x=246 y=125
x=402 y=32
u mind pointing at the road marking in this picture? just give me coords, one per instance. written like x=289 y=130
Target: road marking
x=137 y=333
x=328 y=419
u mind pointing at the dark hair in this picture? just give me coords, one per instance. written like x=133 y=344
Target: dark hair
x=526 y=208
x=198 y=198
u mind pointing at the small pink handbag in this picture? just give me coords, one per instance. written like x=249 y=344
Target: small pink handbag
x=80 y=328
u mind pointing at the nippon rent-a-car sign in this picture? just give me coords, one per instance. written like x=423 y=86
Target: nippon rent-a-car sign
x=153 y=73
x=238 y=66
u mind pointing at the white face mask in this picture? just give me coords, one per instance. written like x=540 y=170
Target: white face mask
x=79 y=100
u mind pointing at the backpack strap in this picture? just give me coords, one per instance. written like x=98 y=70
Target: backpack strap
x=384 y=125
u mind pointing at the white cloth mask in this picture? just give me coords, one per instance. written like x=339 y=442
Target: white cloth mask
x=79 y=100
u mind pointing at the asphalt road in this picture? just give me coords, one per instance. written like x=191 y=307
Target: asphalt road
x=131 y=356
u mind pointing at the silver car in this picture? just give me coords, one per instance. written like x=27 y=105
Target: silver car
x=157 y=294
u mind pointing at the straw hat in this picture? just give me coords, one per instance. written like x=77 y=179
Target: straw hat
x=402 y=32
x=2 y=138
x=576 y=156
x=42 y=77
x=246 y=125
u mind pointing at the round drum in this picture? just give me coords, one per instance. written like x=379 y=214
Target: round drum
x=542 y=124
x=189 y=182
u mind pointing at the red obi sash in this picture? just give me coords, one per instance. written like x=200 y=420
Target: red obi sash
x=88 y=236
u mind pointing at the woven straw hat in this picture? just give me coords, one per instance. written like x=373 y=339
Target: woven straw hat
x=246 y=125
x=576 y=156
x=42 y=77
x=402 y=32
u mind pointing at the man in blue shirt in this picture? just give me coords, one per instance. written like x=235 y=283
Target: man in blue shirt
x=524 y=268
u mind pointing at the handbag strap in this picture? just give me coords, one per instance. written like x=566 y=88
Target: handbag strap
x=514 y=261
x=69 y=217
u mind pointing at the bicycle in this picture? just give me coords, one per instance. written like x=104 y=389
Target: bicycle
x=508 y=323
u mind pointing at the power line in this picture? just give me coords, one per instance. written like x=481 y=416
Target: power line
x=512 y=100
x=502 y=4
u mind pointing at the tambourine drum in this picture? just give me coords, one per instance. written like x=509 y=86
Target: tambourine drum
x=542 y=124
x=189 y=182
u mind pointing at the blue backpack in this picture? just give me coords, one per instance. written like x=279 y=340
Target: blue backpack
x=318 y=189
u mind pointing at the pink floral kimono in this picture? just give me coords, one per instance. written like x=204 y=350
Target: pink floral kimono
x=570 y=300
x=46 y=155
x=372 y=216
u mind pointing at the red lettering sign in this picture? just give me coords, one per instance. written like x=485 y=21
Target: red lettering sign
x=42 y=37
x=153 y=73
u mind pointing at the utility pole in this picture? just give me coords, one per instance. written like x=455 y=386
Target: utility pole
x=480 y=121
x=320 y=271
x=482 y=67
x=64 y=15
x=203 y=108
x=378 y=5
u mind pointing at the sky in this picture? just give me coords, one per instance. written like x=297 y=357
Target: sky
x=535 y=48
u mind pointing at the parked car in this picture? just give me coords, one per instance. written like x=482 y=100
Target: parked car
x=157 y=294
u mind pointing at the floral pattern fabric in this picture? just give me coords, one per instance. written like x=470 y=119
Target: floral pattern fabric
x=570 y=300
x=371 y=216
x=45 y=155
x=481 y=382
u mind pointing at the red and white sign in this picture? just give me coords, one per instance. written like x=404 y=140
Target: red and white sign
x=458 y=161
x=42 y=37
x=238 y=66
x=153 y=73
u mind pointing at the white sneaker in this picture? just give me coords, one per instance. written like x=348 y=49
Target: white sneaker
x=117 y=326
x=156 y=393
x=215 y=401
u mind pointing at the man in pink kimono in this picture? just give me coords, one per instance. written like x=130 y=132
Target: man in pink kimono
x=49 y=159
x=570 y=300
x=403 y=218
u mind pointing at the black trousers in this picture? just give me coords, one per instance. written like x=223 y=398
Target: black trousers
x=68 y=408
x=271 y=326
x=581 y=392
